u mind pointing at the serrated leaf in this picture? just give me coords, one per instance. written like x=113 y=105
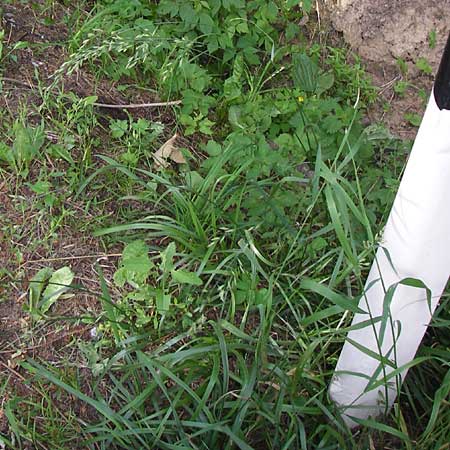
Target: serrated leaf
x=331 y=124
x=205 y=126
x=58 y=284
x=232 y=89
x=306 y=5
x=120 y=277
x=118 y=128
x=188 y=14
x=41 y=187
x=135 y=265
x=185 y=277
x=423 y=65
x=414 y=119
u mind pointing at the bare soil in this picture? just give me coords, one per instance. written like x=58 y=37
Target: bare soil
x=26 y=242
x=383 y=32
x=26 y=245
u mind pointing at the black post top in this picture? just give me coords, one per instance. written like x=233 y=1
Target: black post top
x=442 y=83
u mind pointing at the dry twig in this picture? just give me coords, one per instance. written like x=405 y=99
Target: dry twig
x=100 y=105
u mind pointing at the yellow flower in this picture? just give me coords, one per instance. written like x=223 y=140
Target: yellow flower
x=300 y=99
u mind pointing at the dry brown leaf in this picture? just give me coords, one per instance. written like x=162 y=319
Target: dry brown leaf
x=177 y=156
x=168 y=151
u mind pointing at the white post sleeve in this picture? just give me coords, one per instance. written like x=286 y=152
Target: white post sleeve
x=417 y=240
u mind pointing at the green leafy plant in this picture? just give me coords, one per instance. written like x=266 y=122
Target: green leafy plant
x=400 y=87
x=424 y=66
x=219 y=325
x=156 y=293
x=10 y=53
x=136 y=138
x=46 y=287
x=27 y=143
x=403 y=66
x=413 y=118
x=232 y=37
x=432 y=36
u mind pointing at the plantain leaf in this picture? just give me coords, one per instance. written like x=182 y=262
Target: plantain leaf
x=37 y=285
x=324 y=82
x=305 y=72
x=58 y=284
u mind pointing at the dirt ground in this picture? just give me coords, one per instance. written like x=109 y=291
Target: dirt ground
x=26 y=245
x=383 y=32
x=46 y=35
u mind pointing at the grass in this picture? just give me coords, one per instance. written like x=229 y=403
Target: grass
x=213 y=287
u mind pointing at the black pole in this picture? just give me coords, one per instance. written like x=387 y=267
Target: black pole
x=442 y=83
